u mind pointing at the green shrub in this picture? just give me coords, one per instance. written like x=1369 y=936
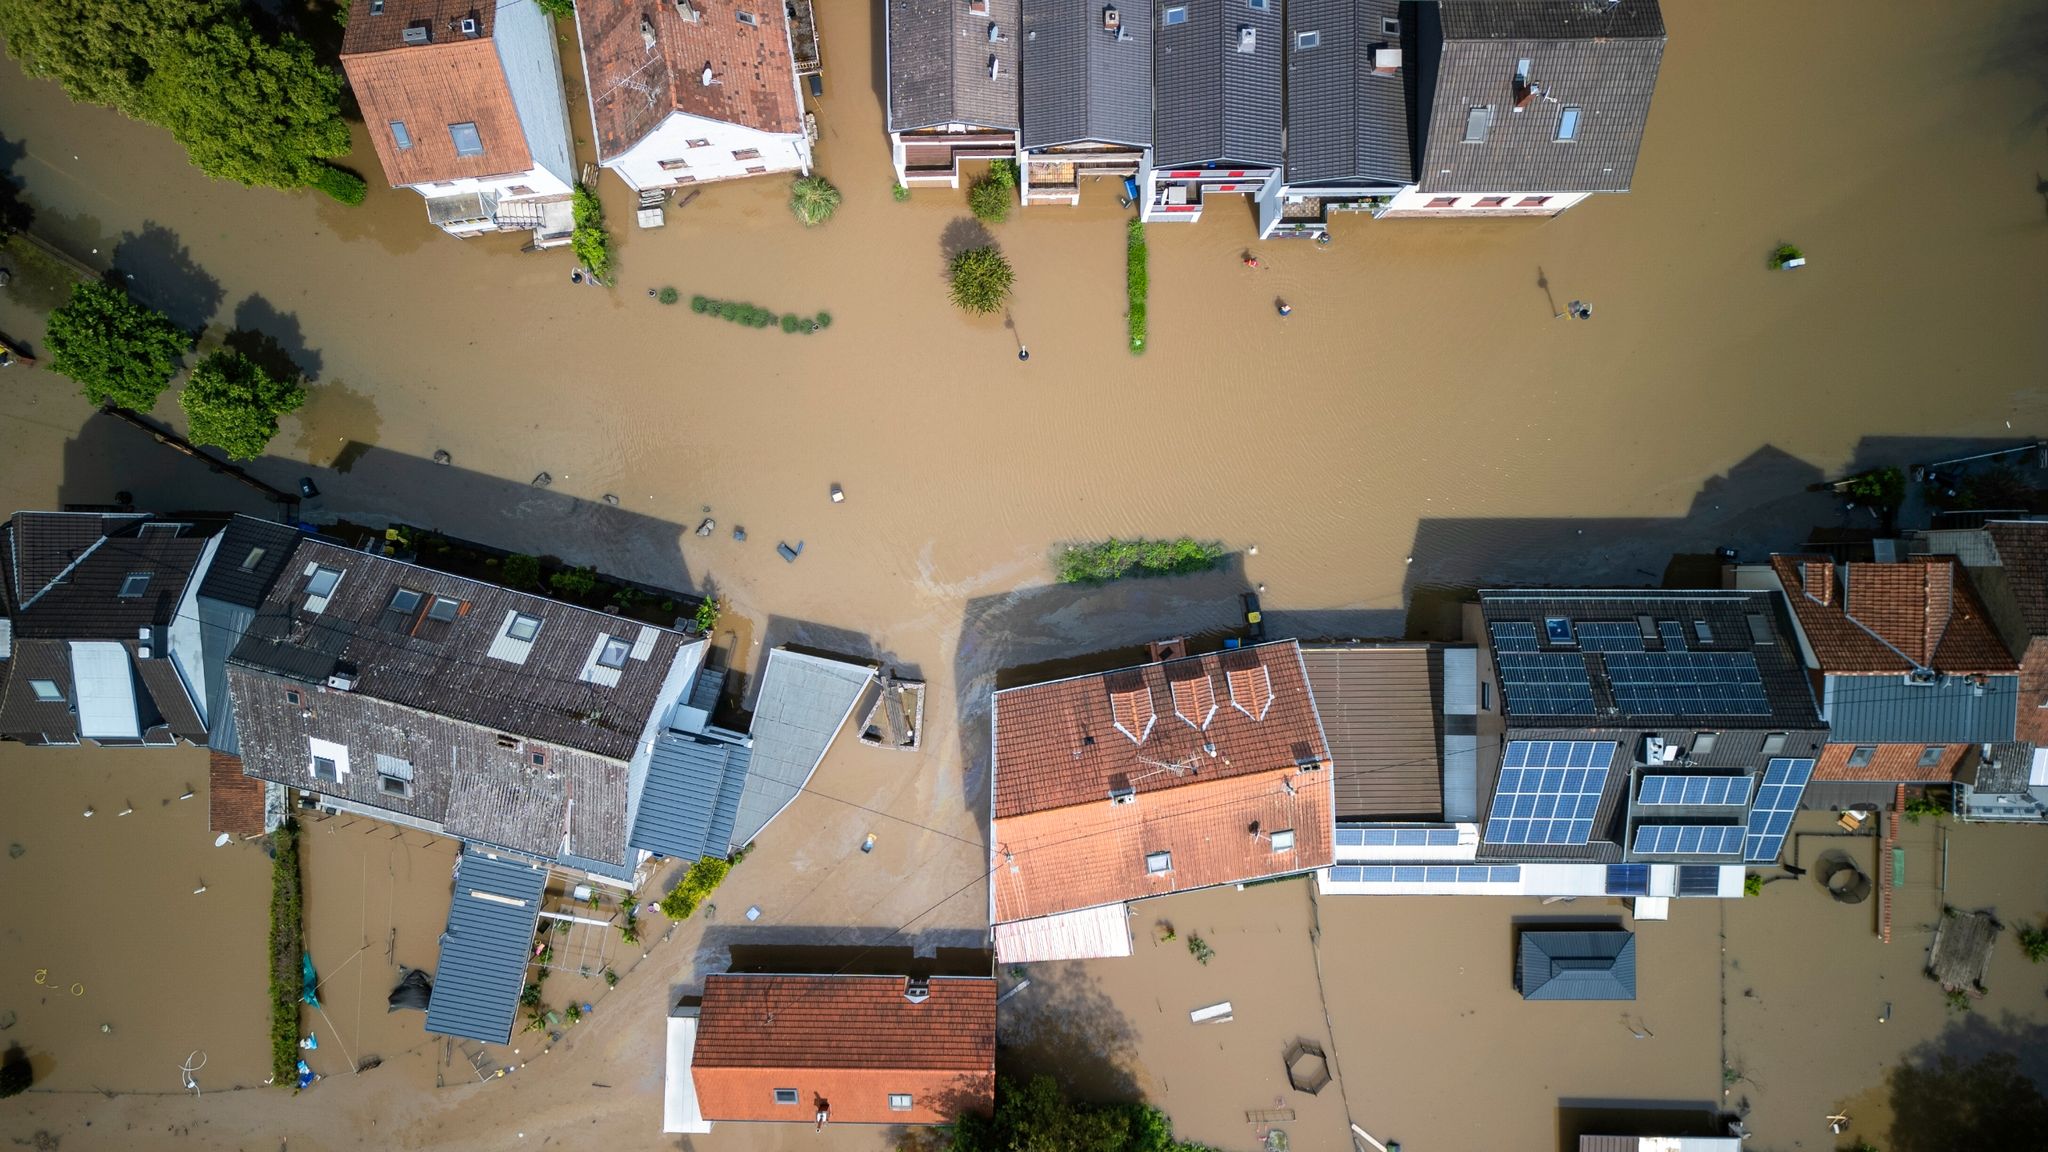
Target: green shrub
x=1785 y=253
x=2034 y=942
x=233 y=404
x=116 y=349
x=287 y=944
x=1752 y=884
x=574 y=583
x=520 y=571
x=813 y=200
x=989 y=199
x=697 y=883
x=611 y=978
x=1111 y=559
x=341 y=183
x=699 y=304
x=629 y=928
x=982 y=280
x=1883 y=487
x=668 y=296
x=573 y=1012
x=566 y=9
x=1137 y=282
x=529 y=996
x=591 y=243
x=1923 y=805
x=705 y=618
x=823 y=320
x=789 y=322
x=1200 y=950
x=899 y=193
x=1004 y=172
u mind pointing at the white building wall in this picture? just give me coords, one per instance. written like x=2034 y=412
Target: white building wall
x=714 y=159
x=183 y=643
x=1413 y=202
x=525 y=38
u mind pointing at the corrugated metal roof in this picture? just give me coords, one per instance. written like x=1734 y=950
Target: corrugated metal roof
x=691 y=797
x=484 y=951
x=804 y=701
x=1886 y=710
x=1383 y=717
x=1346 y=121
x=1577 y=965
x=1083 y=82
x=1211 y=101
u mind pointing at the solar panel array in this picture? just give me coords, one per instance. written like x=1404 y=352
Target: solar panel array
x=1687 y=683
x=1610 y=636
x=1777 y=798
x=1426 y=874
x=1513 y=636
x=1673 y=633
x=1546 y=683
x=1699 y=879
x=1548 y=791
x=1689 y=839
x=1714 y=790
x=1628 y=879
x=1397 y=837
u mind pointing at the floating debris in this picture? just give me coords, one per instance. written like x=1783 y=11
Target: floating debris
x=868 y=845
x=15 y=850
x=441 y=456
x=611 y=500
x=788 y=553
x=707 y=527
x=543 y=480
x=838 y=495
x=739 y=533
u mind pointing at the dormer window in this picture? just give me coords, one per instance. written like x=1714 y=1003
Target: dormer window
x=134 y=585
x=614 y=652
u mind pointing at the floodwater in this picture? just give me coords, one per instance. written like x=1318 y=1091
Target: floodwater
x=1422 y=418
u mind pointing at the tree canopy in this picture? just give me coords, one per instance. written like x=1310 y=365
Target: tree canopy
x=119 y=351
x=232 y=404
x=813 y=200
x=246 y=108
x=981 y=280
x=1036 y=1116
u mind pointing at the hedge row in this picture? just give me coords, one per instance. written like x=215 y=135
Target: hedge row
x=752 y=317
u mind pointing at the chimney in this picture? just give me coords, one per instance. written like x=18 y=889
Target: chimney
x=145 y=642
x=917 y=989
x=647 y=33
x=1941 y=601
x=687 y=12
x=343 y=679
x=1173 y=649
x=1817 y=578
x=1110 y=20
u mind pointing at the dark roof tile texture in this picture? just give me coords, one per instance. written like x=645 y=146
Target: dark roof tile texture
x=1601 y=59
x=1082 y=82
x=1213 y=102
x=241 y=574
x=234 y=801
x=1344 y=120
x=2023 y=553
x=939 y=63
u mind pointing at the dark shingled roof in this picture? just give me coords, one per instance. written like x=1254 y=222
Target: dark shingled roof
x=1599 y=58
x=1215 y=103
x=1595 y=965
x=2023 y=553
x=939 y=52
x=1081 y=82
x=1345 y=121
x=238 y=575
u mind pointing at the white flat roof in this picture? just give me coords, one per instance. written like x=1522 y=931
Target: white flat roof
x=1081 y=935
x=106 y=690
x=679 y=1108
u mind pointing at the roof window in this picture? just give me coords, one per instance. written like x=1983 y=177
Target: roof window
x=614 y=652
x=134 y=585
x=326 y=769
x=1703 y=743
x=46 y=691
x=748 y=18
x=1303 y=41
x=322 y=581
x=1704 y=631
x=1861 y=756
x=444 y=609
x=1177 y=14
x=1568 y=123
x=1522 y=71
x=376 y=7
x=400 y=136
x=1390 y=26
x=1259 y=5
x=785 y=1095
x=254 y=558
x=1774 y=743
x=1158 y=863
x=1478 y=122
x=404 y=600
x=467 y=141
x=1283 y=840
x=1930 y=757
x=523 y=627
x=899 y=1101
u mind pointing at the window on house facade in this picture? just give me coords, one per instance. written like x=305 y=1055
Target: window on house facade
x=746 y=154
x=400 y=136
x=1158 y=863
x=1532 y=202
x=1568 y=123
x=1283 y=840
x=46 y=690
x=1177 y=14
x=1478 y=122
x=1491 y=202
x=523 y=627
x=134 y=585
x=756 y=169
x=1303 y=41
x=899 y=1102
x=785 y=1095
x=1443 y=202
x=325 y=769
x=467 y=141
x=444 y=609
x=614 y=652
x=1861 y=756
x=1390 y=26
x=1930 y=757
x=1486 y=695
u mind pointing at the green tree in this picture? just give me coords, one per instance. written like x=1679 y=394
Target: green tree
x=119 y=351
x=591 y=243
x=234 y=405
x=1036 y=1116
x=574 y=583
x=982 y=279
x=813 y=200
x=97 y=49
x=520 y=571
x=566 y=9
x=1949 y=1104
x=989 y=199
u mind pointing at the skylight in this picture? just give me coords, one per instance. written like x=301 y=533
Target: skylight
x=1178 y=14
x=467 y=141
x=1568 y=123
x=614 y=653
x=444 y=609
x=323 y=581
x=134 y=585
x=1306 y=40
x=1478 y=121
x=523 y=627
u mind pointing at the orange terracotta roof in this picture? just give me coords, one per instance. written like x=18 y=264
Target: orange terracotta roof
x=1888 y=762
x=451 y=79
x=1074 y=741
x=234 y=801
x=635 y=87
x=1882 y=618
x=1061 y=859
x=845 y=1044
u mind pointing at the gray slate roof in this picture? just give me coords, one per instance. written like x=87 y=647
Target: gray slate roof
x=1213 y=102
x=1345 y=121
x=1600 y=58
x=803 y=702
x=484 y=950
x=1082 y=83
x=939 y=53
x=1885 y=710
x=691 y=797
x=1595 y=965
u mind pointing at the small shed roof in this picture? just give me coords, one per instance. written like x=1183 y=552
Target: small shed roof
x=1577 y=965
x=483 y=953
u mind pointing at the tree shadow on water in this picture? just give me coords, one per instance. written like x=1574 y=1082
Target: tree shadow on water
x=273 y=340
x=1066 y=1027
x=159 y=270
x=1978 y=1085
x=962 y=234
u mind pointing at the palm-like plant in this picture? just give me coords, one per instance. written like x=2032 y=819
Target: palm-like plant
x=813 y=199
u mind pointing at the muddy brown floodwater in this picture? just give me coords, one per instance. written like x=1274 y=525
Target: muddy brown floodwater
x=1421 y=419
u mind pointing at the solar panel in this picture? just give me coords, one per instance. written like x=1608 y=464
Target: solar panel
x=1548 y=791
x=1716 y=791
x=1513 y=636
x=1454 y=874
x=1687 y=683
x=1674 y=635
x=1628 y=879
x=1546 y=684
x=1609 y=636
x=1777 y=800
x=1699 y=880
x=1689 y=839
x=1405 y=838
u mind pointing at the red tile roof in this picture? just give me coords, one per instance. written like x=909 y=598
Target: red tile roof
x=1888 y=762
x=1884 y=618
x=846 y=1043
x=451 y=79
x=1096 y=853
x=1074 y=741
x=234 y=801
x=635 y=87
